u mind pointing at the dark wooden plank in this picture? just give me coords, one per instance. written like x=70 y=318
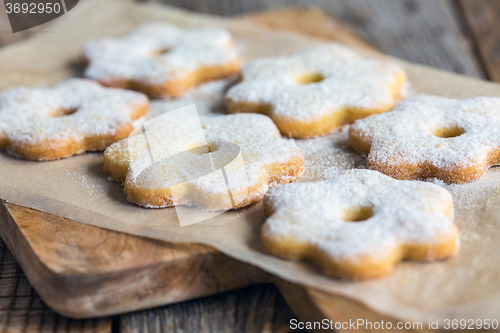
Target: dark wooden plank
x=22 y=310
x=423 y=31
x=483 y=20
x=252 y=309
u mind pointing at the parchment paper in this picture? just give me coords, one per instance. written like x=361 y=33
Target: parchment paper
x=467 y=286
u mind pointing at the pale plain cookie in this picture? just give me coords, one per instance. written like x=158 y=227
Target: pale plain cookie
x=425 y=136
x=312 y=93
x=75 y=116
x=161 y=59
x=360 y=224
x=265 y=160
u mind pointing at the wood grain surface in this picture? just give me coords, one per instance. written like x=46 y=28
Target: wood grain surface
x=248 y=310
x=310 y=21
x=483 y=19
x=82 y=271
x=432 y=32
x=22 y=310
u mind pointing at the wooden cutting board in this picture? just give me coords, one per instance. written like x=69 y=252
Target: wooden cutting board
x=84 y=271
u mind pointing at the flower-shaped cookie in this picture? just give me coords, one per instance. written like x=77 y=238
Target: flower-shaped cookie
x=171 y=164
x=312 y=93
x=432 y=137
x=360 y=224
x=161 y=59
x=76 y=116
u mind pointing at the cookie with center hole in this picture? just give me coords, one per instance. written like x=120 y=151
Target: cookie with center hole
x=360 y=224
x=162 y=60
x=312 y=93
x=73 y=117
x=230 y=164
x=426 y=136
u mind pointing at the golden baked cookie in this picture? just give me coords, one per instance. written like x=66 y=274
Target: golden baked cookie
x=312 y=93
x=360 y=224
x=74 y=117
x=170 y=163
x=425 y=137
x=162 y=60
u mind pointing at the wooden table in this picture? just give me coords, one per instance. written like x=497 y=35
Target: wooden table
x=459 y=36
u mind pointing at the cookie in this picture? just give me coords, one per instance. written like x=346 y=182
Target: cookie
x=424 y=137
x=176 y=166
x=360 y=224
x=161 y=59
x=312 y=93
x=75 y=116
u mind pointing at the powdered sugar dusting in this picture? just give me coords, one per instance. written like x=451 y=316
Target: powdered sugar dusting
x=139 y=55
x=31 y=114
x=258 y=138
x=349 y=81
x=404 y=212
x=407 y=135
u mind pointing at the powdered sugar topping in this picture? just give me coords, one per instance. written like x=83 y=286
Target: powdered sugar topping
x=445 y=133
x=345 y=81
x=74 y=109
x=401 y=212
x=251 y=141
x=157 y=52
